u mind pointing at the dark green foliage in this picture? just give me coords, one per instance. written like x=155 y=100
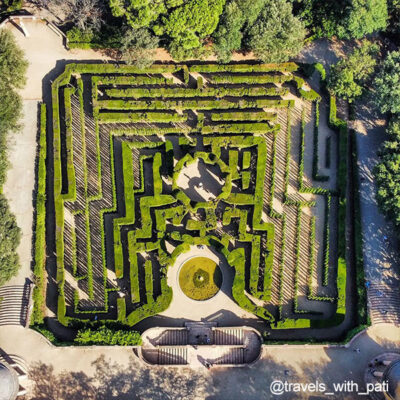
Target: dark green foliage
x=12 y=77
x=237 y=17
x=12 y=63
x=10 y=236
x=40 y=238
x=394 y=20
x=10 y=5
x=387 y=174
x=137 y=47
x=105 y=336
x=363 y=17
x=387 y=84
x=80 y=36
x=321 y=17
x=138 y=13
x=276 y=34
x=348 y=77
x=189 y=24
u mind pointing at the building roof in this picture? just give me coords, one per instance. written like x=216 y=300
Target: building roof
x=9 y=385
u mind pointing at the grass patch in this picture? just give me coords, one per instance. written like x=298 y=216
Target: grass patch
x=200 y=278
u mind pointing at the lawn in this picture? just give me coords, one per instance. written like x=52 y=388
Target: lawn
x=200 y=278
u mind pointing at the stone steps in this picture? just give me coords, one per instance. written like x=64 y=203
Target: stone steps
x=384 y=304
x=14 y=304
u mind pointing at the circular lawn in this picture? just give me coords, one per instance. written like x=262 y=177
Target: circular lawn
x=200 y=278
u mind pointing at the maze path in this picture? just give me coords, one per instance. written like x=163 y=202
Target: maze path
x=127 y=128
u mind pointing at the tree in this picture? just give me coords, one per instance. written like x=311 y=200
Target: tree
x=138 y=46
x=387 y=174
x=138 y=13
x=188 y=25
x=394 y=20
x=12 y=63
x=229 y=35
x=363 y=17
x=13 y=68
x=277 y=34
x=321 y=17
x=237 y=16
x=9 y=239
x=87 y=14
x=387 y=84
x=349 y=76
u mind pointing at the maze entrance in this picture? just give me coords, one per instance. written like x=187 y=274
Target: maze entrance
x=126 y=206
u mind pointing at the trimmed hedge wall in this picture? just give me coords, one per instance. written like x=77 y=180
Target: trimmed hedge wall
x=260 y=262
x=39 y=269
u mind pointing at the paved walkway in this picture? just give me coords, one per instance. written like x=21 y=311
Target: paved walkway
x=381 y=257
x=221 y=307
x=73 y=372
x=20 y=183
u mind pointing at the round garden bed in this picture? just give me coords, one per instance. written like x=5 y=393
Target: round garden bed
x=200 y=278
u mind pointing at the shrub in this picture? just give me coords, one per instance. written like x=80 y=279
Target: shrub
x=105 y=336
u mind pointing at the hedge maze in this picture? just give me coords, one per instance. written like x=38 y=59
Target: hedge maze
x=121 y=138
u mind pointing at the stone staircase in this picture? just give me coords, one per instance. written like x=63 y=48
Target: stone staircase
x=173 y=337
x=14 y=304
x=169 y=355
x=384 y=304
x=228 y=336
x=230 y=356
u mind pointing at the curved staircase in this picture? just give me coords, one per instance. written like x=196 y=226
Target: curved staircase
x=384 y=304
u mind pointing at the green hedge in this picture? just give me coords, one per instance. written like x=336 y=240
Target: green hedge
x=244 y=116
x=191 y=104
x=134 y=80
x=155 y=117
x=105 y=336
x=218 y=92
x=39 y=269
x=211 y=68
x=250 y=79
x=316 y=176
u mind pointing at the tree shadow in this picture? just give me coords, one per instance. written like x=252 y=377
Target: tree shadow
x=112 y=380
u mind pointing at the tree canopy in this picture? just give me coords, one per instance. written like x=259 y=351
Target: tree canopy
x=237 y=17
x=363 y=17
x=387 y=174
x=9 y=239
x=387 y=84
x=12 y=76
x=137 y=47
x=138 y=13
x=189 y=24
x=348 y=77
x=276 y=34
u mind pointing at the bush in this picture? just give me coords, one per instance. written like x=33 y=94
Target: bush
x=387 y=84
x=105 y=336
